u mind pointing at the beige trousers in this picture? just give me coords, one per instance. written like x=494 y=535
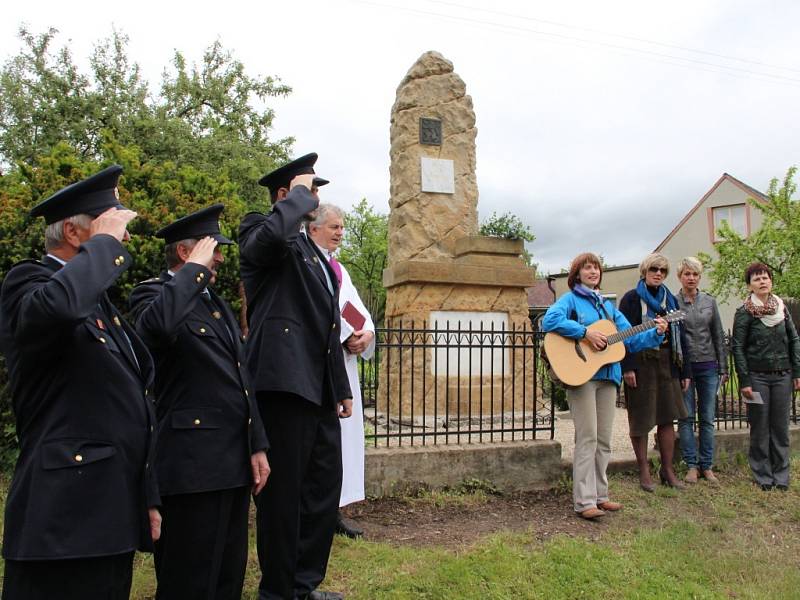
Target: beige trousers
x=592 y=406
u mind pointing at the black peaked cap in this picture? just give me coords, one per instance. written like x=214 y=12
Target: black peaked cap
x=281 y=176
x=320 y=181
x=91 y=196
x=199 y=224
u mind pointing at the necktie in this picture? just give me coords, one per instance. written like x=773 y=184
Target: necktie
x=337 y=268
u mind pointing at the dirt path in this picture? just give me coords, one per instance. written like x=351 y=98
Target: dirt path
x=458 y=522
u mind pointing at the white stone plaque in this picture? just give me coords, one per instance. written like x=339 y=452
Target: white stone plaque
x=438 y=175
x=477 y=343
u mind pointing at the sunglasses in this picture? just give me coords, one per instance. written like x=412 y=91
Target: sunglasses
x=662 y=270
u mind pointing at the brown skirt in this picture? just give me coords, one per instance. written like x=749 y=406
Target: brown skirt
x=657 y=398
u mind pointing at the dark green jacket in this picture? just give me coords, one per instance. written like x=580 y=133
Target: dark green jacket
x=757 y=347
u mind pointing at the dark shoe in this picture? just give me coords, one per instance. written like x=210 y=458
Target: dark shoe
x=648 y=487
x=591 y=513
x=676 y=484
x=343 y=527
x=608 y=505
x=766 y=487
x=318 y=595
x=782 y=488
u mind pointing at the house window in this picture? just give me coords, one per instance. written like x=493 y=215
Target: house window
x=735 y=215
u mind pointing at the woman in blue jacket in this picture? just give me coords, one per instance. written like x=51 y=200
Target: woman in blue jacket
x=593 y=404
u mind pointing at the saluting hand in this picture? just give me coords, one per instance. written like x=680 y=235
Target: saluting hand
x=306 y=180
x=114 y=223
x=261 y=471
x=203 y=252
x=345 y=408
x=155 y=523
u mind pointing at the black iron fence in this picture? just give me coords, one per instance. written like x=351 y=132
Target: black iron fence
x=460 y=383
x=455 y=383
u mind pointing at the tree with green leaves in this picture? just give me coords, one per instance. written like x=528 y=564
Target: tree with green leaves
x=363 y=252
x=776 y=244
x=202 y=138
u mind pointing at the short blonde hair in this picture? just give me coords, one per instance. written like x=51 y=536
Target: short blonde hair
x=656 y=259
x=690 y=263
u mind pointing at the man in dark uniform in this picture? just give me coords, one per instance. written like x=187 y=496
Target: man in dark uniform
x=77 y=508
x=297 y=369
x=211 y=443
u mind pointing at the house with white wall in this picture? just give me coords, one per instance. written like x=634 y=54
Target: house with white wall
x=696 y=232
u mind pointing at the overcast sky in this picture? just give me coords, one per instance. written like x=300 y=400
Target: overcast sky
x=599 y=123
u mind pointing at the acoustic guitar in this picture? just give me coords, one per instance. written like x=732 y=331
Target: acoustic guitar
x=576 y=361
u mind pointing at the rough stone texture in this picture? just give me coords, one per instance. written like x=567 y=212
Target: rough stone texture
x=437 y=262
x=425 y=226
x=495 y=393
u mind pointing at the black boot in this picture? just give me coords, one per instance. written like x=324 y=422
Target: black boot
x=347 y=528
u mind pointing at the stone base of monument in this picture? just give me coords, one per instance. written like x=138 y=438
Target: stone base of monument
x=459 y=340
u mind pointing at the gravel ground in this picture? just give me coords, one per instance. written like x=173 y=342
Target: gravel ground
x=620 y=441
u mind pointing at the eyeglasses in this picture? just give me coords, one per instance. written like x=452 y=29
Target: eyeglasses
x=662 y=270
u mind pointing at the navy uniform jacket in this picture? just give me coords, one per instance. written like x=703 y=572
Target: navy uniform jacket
x=83 y=481
x=208 y=420
x=293 y=344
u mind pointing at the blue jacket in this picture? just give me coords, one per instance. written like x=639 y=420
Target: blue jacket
x=558 y=319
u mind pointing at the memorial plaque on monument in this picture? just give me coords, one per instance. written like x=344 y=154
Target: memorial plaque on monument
x=438 y=175
x=430 y=131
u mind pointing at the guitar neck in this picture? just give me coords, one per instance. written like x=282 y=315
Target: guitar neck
x=624 y=335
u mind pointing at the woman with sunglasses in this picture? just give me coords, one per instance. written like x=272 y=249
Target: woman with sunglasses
x=655 y=379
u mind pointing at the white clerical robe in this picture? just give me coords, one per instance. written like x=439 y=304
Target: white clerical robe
x=353 y=427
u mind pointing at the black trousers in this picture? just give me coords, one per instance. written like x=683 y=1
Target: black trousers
x=202 y=553
x=103 y=578
x=297 y=508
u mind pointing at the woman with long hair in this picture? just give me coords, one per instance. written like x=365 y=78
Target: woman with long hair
x=593 y=404
x=655 y=379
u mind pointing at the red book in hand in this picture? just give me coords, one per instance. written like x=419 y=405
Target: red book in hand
x=352 y=315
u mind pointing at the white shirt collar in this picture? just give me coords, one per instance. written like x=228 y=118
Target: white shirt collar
x=325 y=252
x=58 y=260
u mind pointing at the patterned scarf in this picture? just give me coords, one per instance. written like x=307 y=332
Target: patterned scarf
x=771 y=313
x=659 y=304
x=593 y=296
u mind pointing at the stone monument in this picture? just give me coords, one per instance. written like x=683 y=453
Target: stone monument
x=440 y=272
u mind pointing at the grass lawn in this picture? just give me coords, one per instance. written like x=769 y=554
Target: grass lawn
x=734 y=541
